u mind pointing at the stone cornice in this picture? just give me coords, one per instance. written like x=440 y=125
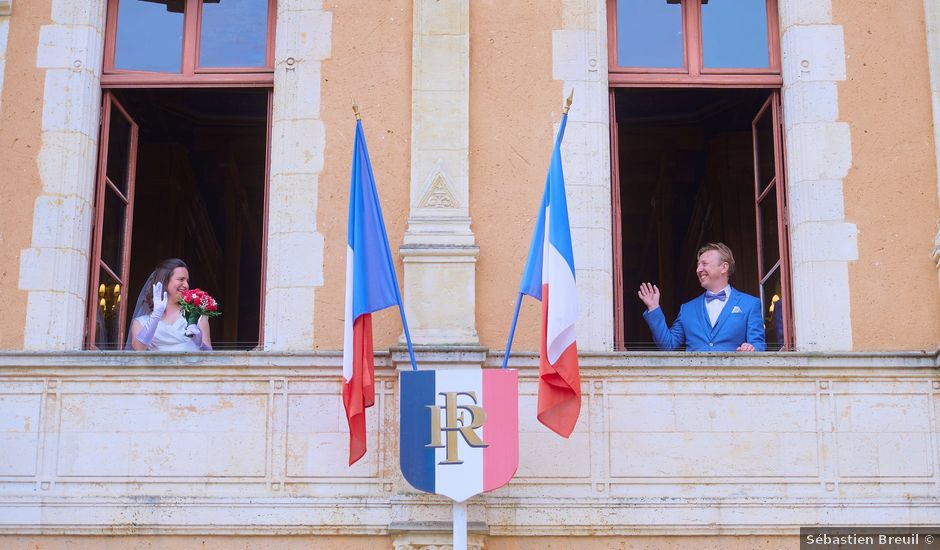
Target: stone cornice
x=592 y=365
x=503 y=517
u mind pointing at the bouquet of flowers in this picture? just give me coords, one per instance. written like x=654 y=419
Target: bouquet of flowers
x=195 y=303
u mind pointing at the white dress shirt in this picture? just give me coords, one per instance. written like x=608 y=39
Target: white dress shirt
x=715 y=306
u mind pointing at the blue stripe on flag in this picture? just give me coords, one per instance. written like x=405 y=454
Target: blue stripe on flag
x=559 y=230
x=375 y=286
x=417 y=460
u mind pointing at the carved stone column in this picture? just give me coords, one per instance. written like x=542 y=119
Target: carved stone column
x=439 y=252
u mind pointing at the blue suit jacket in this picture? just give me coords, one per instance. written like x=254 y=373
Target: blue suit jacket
x=740 y=321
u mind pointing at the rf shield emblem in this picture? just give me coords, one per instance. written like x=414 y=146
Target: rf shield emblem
x=459 y=430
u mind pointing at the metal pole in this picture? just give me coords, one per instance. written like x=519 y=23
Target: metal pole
x=460 y=525
x=512 y=330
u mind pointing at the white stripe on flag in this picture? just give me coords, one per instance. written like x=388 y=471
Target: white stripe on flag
x=562 y=305
x=348 y=323
x=562 y=296
x=459 y=481
x=545 y=245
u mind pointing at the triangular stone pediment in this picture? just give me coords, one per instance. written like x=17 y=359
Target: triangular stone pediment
x=438 y=194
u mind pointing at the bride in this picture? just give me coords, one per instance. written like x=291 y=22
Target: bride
x=158 y=323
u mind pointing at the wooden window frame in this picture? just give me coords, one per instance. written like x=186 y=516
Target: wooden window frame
x=104 y=185
x=191 y=75
x=693 y=73
x=777 y=186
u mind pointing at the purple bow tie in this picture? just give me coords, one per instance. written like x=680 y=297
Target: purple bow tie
x=709 y=296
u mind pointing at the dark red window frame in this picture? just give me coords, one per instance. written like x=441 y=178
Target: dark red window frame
x=693 y=73
x=775 y=190
x=104 y=186
x=191 y=76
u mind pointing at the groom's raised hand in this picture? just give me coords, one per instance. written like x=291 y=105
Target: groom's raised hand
x=649 y=294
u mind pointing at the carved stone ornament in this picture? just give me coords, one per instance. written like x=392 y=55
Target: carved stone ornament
x=439 y=194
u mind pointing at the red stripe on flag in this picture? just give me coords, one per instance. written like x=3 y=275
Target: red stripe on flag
x=501 y=402
x=559 y=384
x=359 y=392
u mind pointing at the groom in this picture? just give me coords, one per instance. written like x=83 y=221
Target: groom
x=721 y=319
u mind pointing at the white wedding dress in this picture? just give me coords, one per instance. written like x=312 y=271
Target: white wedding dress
x=169 y=337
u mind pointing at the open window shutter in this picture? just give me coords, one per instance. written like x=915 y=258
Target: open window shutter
x=114 y=207
x=772 y=224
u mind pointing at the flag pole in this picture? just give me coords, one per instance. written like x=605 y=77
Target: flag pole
x=512 y=331
x=404 y=323
x=515 y=315
x=460 y=525
x=401 y=307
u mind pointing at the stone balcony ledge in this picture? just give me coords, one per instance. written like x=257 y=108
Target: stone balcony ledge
x=591 y=363
x=666 y=443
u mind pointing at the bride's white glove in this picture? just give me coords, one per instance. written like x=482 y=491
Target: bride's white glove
x=160 y=301
x=193 y=332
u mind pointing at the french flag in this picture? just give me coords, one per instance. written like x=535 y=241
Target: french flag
x=489 y=397
x=549 y=277
x=371 y=285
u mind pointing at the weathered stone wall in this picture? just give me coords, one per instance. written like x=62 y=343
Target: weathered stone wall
x=818 y=156
x=49 y=113
x=369 y=63
x=294 y=261
x=20 y=130
x=256 y=443
x=891 y=188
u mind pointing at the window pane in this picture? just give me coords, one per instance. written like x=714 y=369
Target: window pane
x=764 y=134
x=770 y=244
x=649 y=33
x=112 y=231
x=773 y=312
x=734 y=34
x=149 y=36
x=234 y=33
x=119 y=144
x=108 y=297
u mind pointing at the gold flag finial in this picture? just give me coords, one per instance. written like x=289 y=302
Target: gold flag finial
x=356 y=110
x=568 y=101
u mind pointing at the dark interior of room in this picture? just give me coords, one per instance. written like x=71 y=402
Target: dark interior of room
x=199 y=196
x=686 y=178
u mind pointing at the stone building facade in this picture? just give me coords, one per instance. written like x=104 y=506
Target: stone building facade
x=460 y=100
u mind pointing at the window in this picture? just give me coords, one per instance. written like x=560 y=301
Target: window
x=183 y=159
x=697 y=155
x=194 y=42
x=695 y=42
